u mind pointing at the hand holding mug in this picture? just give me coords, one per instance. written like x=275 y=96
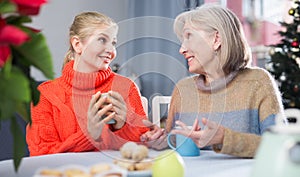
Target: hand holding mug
x=119 y=108
x=96 y=118
x=184 y=145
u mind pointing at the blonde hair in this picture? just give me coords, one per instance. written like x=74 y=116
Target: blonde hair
x=84 y=24
x=234 y=50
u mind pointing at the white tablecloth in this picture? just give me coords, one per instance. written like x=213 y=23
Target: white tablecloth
x=208 y=164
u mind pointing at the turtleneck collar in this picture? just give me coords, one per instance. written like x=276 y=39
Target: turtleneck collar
x=215 y=85
x=84 y=81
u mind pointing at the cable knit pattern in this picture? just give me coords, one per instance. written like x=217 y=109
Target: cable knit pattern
x=59 y=120
x=246 y=107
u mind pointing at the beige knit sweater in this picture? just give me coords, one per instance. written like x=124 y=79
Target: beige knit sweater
x=246 y=107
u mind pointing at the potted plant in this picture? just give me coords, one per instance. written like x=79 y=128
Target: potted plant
x=21 y=47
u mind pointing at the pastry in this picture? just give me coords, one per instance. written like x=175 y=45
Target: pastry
x=51 y=172
x=134 y=157
x=131 y=150
x=125 y=164
x=113 y=175
x=127 y=149
x=74 y=172
x=99 y=168
x=139 y=153
x=143 y=165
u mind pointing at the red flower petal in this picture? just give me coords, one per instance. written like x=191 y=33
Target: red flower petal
x=28 y=10
x=12 y=35
x=2 y=22
x=29 y=7
x=31 y=3
x=4 y=54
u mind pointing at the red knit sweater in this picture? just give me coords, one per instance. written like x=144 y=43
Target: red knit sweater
x=59 y=120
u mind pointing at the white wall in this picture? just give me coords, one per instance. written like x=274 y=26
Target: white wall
x=56 y=17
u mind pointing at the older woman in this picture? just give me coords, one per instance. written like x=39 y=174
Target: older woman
x=234 y=102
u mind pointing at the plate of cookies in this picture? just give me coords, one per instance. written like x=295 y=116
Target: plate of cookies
x=97 y=170
x=135 y=160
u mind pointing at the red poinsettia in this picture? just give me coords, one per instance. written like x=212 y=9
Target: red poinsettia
x=29 y=7
x=9 y=35
x=21 y=47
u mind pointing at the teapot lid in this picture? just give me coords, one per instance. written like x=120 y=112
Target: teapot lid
x=283 y=126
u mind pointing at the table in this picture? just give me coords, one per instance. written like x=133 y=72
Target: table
x=208 y=164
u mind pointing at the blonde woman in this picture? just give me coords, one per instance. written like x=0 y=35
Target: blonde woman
x=73 y=113
x=228 y=103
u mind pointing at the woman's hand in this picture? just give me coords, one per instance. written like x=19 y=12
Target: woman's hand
x=119 y=108
x=212 y=134
x=155 y=138
x=98 y=109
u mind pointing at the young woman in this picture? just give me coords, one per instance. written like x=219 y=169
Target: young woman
x=73 y=114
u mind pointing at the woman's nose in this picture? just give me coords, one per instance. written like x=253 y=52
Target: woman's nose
x=110 y=47
x=111 y=50
x=182 y=50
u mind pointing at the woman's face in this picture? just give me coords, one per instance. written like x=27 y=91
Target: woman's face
x=98 y=50
x=197 y=48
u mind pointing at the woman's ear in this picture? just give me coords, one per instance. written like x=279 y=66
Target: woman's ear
x=217 y=40
x=76 y=44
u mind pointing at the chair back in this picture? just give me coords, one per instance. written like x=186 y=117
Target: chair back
x=145 y=104
x=157 y=101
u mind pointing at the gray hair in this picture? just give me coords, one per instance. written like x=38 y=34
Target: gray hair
x=234 y=51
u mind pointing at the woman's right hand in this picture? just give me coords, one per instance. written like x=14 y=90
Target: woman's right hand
x=96 y=111
x=155 y=138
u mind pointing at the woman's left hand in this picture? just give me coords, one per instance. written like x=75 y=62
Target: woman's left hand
x=212 y=134
x=119 y=108
x=155 y=138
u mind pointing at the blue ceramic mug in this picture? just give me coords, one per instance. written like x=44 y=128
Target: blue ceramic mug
x=185 y=146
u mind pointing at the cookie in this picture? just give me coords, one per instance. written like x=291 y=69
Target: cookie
x=113 y=175
x=143 y=166
x=127 y=149
x=99 y=168
x=51 y=172
x=140 y=152
x=125 y=164
x=74 y=172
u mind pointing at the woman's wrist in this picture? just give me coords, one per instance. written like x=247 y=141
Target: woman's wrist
x=117 y=126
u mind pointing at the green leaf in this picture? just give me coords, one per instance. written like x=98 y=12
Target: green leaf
x=37 y=53
x=19 y=143
x=23 y=110
x=6 y=7
x=7 y=108
x=15 y=90
x=35 y=93
x=18 y=20
x=15 y=86
x=7 y=67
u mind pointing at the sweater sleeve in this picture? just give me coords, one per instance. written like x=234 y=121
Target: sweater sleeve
x=238 y=144
x=269 y=104
x=42 y=135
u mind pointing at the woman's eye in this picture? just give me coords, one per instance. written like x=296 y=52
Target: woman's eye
x=102 y=40
x=114 y=43
x=188 y=35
